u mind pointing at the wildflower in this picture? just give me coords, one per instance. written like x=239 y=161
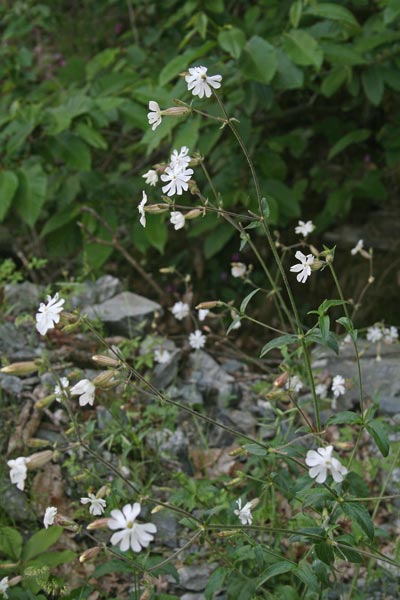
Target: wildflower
x=390 y=334
x=197 y=340
x=304 y=228
x=303 y=269
x=49 y=516
x=338 y=387
x=181 y=159
x=142 y=214
x=244 y=514
x=357 y=248
x=49 y=314
x=374 y=333
x=18 y=471
x=203 y=312
x=321 y=390
x=60 y=388
x=322 y=461
x=85 y=390
x=294 y=384
x=200 y=84
x=177 y=219
x=162 y=356
x=238 y=269
x=97 y=505
x=178 y=180
x=151 y=177
x=236 y=324
x=154 y=116
x=4 y=587
x=132 y=534
x=180 y=310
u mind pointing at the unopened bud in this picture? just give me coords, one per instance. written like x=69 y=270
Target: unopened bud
x=46 y=401
x=20 y=368
x=365 y=254
x=210 y=304
x=193 y=214
x=225 y=534
x=157 y=509
x=66 y=523
x=67 y=317
x=318 y=264
x=71 y=327
x=106 y=379
x=314 y=250
x=105 y=361
x=234 y=482
x=371 y=279
x=90 y=553
x=98 y=524
x=15 y=580
x=237 y=451
x=175 y=111
x=39 y=459
x=167 y=270
x=103 y=491
x=37 y=443
x=156 y=208
x=80 y=477
x=281 y=380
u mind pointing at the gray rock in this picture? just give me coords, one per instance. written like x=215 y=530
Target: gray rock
x=23 y=297
x=189 y=395
x=195 y=578
x=15 y=504
x=211 y=378
x=162 y=375
x=89 y=292
x=19 y=343
x=243 y=421
x=167 y=527
x=167 y=442
x=11 y=384
x=190 y=596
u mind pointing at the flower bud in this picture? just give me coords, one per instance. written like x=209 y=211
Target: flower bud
x=90 y=553
x=156 y=208
x=21 y=368
x=66 y=523
x=67 y=317
x=193 y=214
x=106 y=379
x=15 y=580
x=175 y=111
x=39 y=459
x=281 y=380
x=157 y=509
x=234 y=482
x=237 y=451
x=210 y=304
x=318 y=264
x=225 y=534
x=103 y=491
x=105 y=361
x=365 y=254
x=37 y=443
x=167 y=270
x=46 y=401
x=98 y=524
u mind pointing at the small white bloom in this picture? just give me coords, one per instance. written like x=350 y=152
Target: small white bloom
x=304 y=228
x=321 y=389
x=180 y=160
x=132 y=534
x=303 y=269
x=391 y=334
x=203 y=312
x=197 y=340
x=18 y=471
x=4 y=587
x=85 y=390
x=97 y=505
x=338 y=386
x=141 y=210
x=59 y=390
x=49 y=314
x=322 y=461
x=374 y=333
x=200 y=84
x=177 y=180
x=238 y=269
x=151 y=177
x=244 y=514
x=180 y=310
x=154 y=116
x=177 y=219
x=49 y=516
x=162 y=356
x=294 y=384
x=357 y=248
x=235 y=317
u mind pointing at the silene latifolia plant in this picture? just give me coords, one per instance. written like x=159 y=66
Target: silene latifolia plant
x=297 y=518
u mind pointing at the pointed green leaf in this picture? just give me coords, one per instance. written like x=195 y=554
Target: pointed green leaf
x=354 y=137
x=373 y=84
x=232 y=41
x=31 y=193
x=295 y=13
x=259 y=60
x=183 y=61
x=8 y=187
x=357 y=512
x=255 y=449
x=278 y=568
x=246 y=300
x=335 y=12
x=334 y=80
x=41 y=541
x=324 y=552
x=303 y=49
x=378 y=431
x=279 y=342
x=345 y=417
x=307 y=576
x=215 y=582
x=10 y=542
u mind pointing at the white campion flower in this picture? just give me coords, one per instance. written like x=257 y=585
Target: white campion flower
x=321 y=390
x=304 y=228
x=244 y=514
x=132 y=535
x=49 y=314
x=154 y=116
x=238 y=269
x=180 y=310
x=177 y=180
x=203 y=312
x=338 y=386
x=4 y=587
x=49 y=516
x=303 y=269
x=321 y=462
x=18 y=470
x=60 y=388
x=357 y=248
x=197 y=340
x=180 y=160
x=374 y=333
x=390 y=334
x=85 y=390
x=177 y=219
x=97 y=505
x=294 y=384
x=200 y=84
x=141 y=210
x=151 y=177
x=162 y=356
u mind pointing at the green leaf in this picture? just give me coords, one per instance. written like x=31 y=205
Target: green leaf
x=279 y=342
x=31 y=193
x=112 y=566
x=232 y=41
x=391 y=12
x=59 y=219
x=156 y=232
x=327 y=304
x=324 y=552
x=259 y=60
x=354 y=137
x=358 y=513
x=346 y=544
x=378 y=431
x=324 y=324
x=10 y=542
x=246 y=300
x=288 y=76
x=255 y=449
x=40 y=541
x=295 y=13
x=215 y=582
x=183 y=62
x=334 y=80
x=346 y=323
x=373 y=84
x=75 y=152
x=52 y=559
x=91 y=136
x=342 y=54
x=307 y=576
x=8 y=187
x=335 y=12
x=303 y=49
x=345 y=417
x=217 y=239
x=278 y=568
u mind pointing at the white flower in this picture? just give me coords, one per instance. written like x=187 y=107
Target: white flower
x=304 y=228
x=203 y=312
x=132 y=534
x=244 y=514
x=197 y=340
x=59 y=390
x=338 y=386
x=294 y=384
x=178 y=180
x=4 y=587
x=374 y=333
x=321 y=461
x=48 y=314
x=199 y=83
x=180 y=160
x=97 y=505
x=357 y=248
x=177 y=219
x=235 y=317
x=303 y=269
x=49 y=516
x=180 y=310
x=18 y=471
x=142 y=213
x=154 y=116
x=321 y=390
x=391 y=334
x=151 y=177
x=238 y=269
x=85 y=390
x=162 y=356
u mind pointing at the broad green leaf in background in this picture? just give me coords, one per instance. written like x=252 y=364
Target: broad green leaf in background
x=279 y=342
x=303 y=49
x=215 y=582
x=31 y=193
x=335 y=12
x=278 y=568
x=378 y=431
x=232 y=40
x=247 y=299
x=217 y=239
x=156 y=232
x=259 y=60
x=373 y=84
x=342 y=54
x=295 y=13
x=10 y=542
x=334 y=80
x=359 y=513
x=354 y=137
x=288 y=76
x=8 y=187
x=41 y=541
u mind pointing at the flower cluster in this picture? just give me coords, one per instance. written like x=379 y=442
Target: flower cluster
x=177 y=174
x=379 y=332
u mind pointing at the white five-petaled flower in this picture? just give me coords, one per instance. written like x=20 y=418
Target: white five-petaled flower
x=390 y=334
x=141 y=210
x=244 y=514
x=197 y=340
x=177 y=179
x=151 y=177
x=304 y=228
x=132 y=535
x=154 y=116
x=180 y=310
x=321 y=462
x=181 y=159
x=238 y=269
x=338 y=386
x=303 y=269
x=49 y=314
x=18 y=471
x=85 y=390
x=60 y=389
x=374 y=333
x=4 y=587
x=177 y=219
x=294 y=384
x=97 y=505
x=203 y=312
x=49 y=516
x=200 y=84
x=162 y=356
x=357 y=248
